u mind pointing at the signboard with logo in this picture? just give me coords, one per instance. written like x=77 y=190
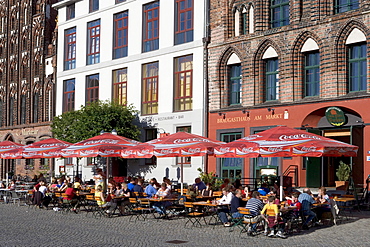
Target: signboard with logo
x=335 y=116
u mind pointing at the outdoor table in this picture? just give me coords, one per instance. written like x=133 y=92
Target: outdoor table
x=345 y=199
x=161 y=204
x=211 y=208
x=204 y=198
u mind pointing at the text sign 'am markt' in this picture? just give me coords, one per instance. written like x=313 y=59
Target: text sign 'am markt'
x=248 y=119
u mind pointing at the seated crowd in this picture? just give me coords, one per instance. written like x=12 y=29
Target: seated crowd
x=265 y=209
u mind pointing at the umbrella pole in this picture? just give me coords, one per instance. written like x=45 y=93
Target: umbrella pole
x=281 y=178
x=182 y=178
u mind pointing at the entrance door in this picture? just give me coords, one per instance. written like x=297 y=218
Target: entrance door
x=313 y=171
x=313 y=167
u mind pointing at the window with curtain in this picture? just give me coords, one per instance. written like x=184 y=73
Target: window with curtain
x=120 y=86
x=183 y=97
x=149 y=103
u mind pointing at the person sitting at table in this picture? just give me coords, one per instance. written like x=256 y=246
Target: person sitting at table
x=155 y=184
x=77 y=184
x=273 y=193
x=237 y=184
x=132 y=184
x=116 y=198
x=324 y=200
x=2 y=185
x=255 y=205
x=224 y=202
x=263 y=190
x=138 y=187
x=53 y=185
x=168 y=184
x=100 y=194
x=41 y=178
x=34 y=179
x=236 y=202
x=291 y=209
x=306 y=199
x=225 y=183
x=246 y=192
x=64 y=185
x=12 y=185
x=150 y=190
x=208 y=190
x=190 y=194
x=161 y=206
x=272 y=217
x=43 y=200
x=72 y=198
x=199 y=185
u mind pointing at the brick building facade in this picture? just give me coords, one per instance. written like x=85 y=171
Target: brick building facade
x=287 y=63
x=27 y=77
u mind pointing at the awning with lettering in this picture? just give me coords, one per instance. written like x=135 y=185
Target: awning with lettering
x=282 y=141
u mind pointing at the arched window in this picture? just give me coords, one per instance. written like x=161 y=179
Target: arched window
x=235 y=80
x=36 y=98
x=311 y=68
x=251 y=19
x=271 y=75
x=236 y=23
x=357 y=64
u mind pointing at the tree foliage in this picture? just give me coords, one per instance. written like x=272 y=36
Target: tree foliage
x=90 y=120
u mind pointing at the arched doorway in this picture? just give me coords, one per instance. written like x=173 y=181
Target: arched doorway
x=321 y=171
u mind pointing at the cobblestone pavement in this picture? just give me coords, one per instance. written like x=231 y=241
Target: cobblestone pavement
x=24 y=226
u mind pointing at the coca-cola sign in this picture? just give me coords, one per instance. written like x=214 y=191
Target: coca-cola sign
x=247 y=149
x=190 y=140
x=194 y=150
x=298 y=137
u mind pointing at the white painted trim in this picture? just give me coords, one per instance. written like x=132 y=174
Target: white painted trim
x=309 y=45
x=269 y=53
x=355 y=36
x=234 y=59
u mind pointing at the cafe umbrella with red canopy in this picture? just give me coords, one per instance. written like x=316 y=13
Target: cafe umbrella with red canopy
x=5 y=146
x=179 y=144
x=103 y=145
x=10 y=150
x=282 y=141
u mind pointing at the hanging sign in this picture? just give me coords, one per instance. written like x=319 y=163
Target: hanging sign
x=335 y=116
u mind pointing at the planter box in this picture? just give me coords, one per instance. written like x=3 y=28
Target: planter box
x=341 y=185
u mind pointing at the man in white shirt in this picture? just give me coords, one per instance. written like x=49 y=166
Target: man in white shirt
x=225 y=201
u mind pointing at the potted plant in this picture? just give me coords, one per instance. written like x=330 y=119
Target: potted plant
x=342 y=173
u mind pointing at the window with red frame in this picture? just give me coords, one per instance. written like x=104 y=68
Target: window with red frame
x=149 y=103
x=184 y=21
x=93 y=42
x=70 y=49
x=151 y=27
x=120 y=35
x=183 y=160
x=69 y=95
x=92 y=88
x=183 y=97
x=120 y=86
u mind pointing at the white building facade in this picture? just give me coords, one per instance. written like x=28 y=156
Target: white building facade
x=146 y=53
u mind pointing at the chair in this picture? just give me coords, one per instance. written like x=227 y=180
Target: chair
x=15 y=197
x=91 y=204
x=66 y=205
x=217 y=194
x=193 y=216
x=135 y=209
x=239 y=221
x=101 y=208
x=249 y=219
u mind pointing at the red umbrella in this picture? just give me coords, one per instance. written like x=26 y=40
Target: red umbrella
x=105 y=145
x=282 y=141
x=48 y=148
x=180 y=144
x=6 y=146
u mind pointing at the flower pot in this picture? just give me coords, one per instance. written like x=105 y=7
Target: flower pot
x=341 y=185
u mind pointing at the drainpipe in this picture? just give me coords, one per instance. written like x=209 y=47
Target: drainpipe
x=206 y=40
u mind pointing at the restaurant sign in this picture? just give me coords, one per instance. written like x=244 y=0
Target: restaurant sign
x=335 y=116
